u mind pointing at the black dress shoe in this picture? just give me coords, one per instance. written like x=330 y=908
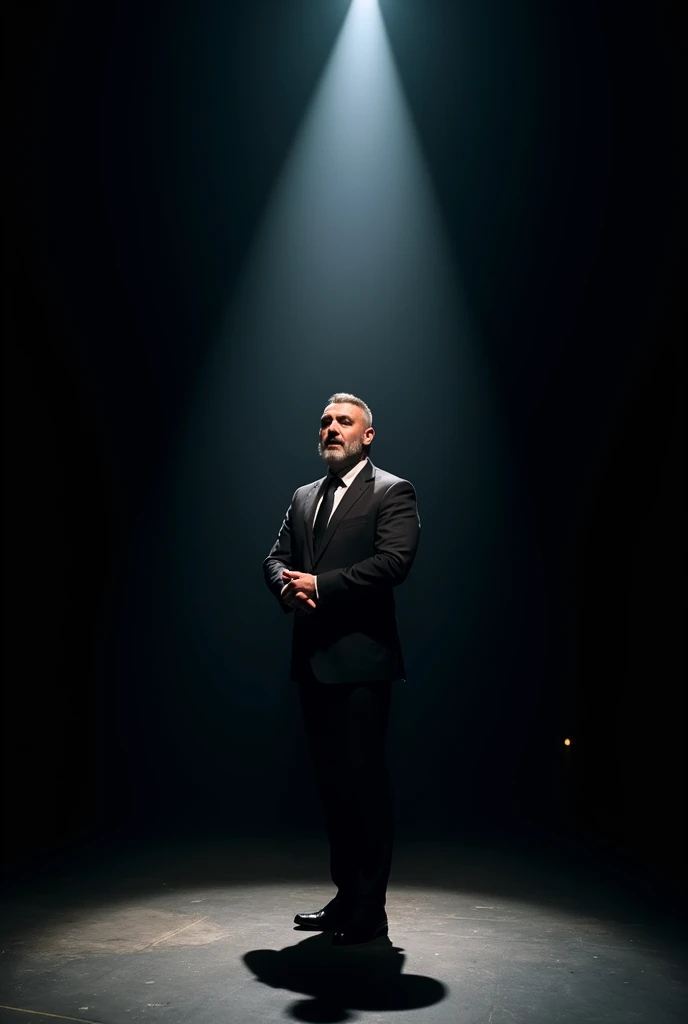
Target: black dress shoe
x=332 y=916
x=357 y=930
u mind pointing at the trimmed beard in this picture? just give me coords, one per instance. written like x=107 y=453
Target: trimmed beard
x=334 y=456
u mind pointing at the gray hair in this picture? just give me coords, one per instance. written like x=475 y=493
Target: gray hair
x=344 y=396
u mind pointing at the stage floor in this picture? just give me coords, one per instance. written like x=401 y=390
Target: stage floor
x=191 y=933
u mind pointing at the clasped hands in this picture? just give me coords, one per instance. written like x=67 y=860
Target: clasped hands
x=298 y=591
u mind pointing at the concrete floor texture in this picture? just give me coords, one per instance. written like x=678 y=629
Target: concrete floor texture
x=203 y=933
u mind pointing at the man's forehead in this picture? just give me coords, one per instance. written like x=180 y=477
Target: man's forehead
x=342 y=409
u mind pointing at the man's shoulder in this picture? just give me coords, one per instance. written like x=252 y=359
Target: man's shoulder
x=385 y=480
x=304 y=489
x=388 y=479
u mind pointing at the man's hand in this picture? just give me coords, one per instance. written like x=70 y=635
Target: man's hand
x=299 y=590
x=299 y=582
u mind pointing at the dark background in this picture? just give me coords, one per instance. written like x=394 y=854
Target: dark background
x=143 y=143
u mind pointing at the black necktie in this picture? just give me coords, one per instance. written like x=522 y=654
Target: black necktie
x=322 y=518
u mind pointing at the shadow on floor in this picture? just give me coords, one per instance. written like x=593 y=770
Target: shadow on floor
x=340 y=980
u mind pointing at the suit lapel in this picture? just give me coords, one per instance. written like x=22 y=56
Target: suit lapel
x=309 y=514
x=353 y=492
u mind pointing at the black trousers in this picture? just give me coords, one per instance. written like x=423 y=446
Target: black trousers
x=345 y=727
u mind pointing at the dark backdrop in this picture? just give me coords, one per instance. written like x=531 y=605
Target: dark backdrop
x=144 y=141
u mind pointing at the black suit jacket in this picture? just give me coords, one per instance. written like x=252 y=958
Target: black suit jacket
x=368 y=549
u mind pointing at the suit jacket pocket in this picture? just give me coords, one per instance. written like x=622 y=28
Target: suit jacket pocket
x=356 y=521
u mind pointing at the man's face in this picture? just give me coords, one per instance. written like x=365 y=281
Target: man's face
x=343 y=434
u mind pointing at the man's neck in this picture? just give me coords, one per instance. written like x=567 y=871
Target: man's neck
x=344 y=467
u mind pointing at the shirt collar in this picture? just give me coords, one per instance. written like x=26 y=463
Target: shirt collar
x=348 y=477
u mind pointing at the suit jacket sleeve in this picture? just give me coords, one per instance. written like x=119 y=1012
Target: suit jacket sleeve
x=280 y=558
x=396 y=541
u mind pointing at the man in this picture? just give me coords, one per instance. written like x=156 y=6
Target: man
x=346 y=541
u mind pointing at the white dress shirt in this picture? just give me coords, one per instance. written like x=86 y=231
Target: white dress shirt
x=347 y=479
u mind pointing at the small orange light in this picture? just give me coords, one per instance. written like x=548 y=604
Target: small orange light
x=567 y=743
